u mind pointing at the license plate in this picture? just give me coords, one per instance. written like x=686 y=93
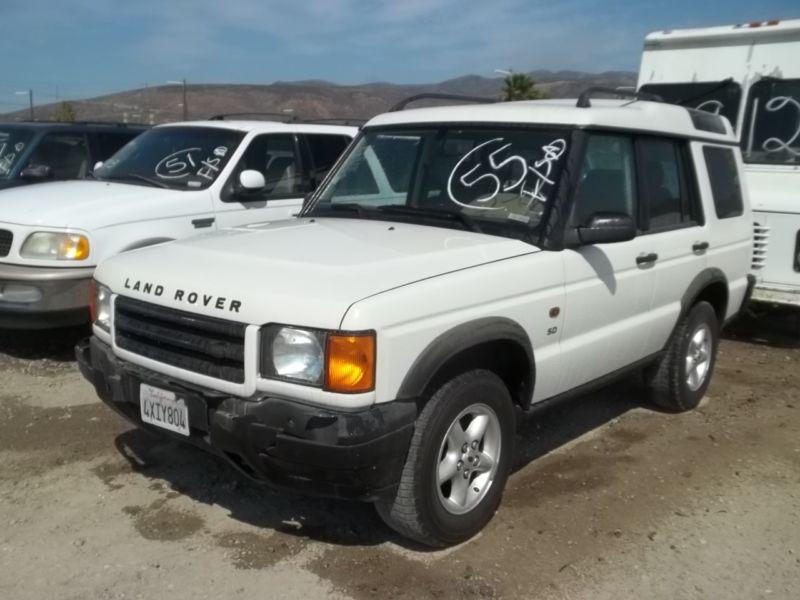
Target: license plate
x=164 y=409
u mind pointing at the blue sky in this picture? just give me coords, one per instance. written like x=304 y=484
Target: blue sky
x=79 y=48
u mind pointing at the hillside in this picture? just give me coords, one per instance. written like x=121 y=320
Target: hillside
x=316 y=99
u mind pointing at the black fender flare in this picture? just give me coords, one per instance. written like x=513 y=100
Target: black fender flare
x=701 y=281
x=460 y=338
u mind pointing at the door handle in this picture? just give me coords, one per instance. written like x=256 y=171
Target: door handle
x=200 y=223
x=646 y=259
x=700 y=247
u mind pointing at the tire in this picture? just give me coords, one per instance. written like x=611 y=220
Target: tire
x=429 y=512
x=669 y=380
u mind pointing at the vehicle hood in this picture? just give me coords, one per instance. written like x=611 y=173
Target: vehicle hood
x=79 y=204
x=299 y=271
x=774 y=190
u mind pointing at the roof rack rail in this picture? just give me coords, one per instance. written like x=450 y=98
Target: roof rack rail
x=101 y=123
x=431 y=96
x=585 y=99
x=222 y=116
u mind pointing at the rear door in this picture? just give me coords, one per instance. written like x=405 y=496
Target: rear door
x=277 y=157
x=609 y=287
x=673 y=226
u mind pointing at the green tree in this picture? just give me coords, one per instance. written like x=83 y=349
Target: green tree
x=65 y=113
x=519 y=86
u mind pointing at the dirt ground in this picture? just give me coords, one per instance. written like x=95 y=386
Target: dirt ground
x=609 y=499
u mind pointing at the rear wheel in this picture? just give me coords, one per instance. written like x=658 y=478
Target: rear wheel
x=457 y=463
x=680 y=380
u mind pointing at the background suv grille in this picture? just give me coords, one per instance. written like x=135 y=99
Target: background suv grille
x=760 y=244
x=6 y=237
x=205 y=345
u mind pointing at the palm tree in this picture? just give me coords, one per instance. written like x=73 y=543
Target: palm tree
x=519 y=86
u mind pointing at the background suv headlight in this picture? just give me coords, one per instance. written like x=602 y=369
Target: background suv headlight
x=337 y=361
x=55 y=246
x=100 y=305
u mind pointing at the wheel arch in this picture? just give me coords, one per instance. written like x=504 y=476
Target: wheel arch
x=710 y=285
x=498 y=344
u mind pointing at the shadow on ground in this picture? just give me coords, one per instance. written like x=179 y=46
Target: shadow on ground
x=57 y=345
x=208 y=479
x=776 y=327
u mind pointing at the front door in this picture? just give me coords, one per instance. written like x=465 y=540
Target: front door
x=609 y=287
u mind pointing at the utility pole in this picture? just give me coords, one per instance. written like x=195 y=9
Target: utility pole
x=30 y=101
x=182 y=83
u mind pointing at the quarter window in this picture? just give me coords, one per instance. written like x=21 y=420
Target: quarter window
x=725 y=185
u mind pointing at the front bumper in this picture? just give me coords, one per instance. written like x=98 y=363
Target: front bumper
x=283 y=443
x=42 y=297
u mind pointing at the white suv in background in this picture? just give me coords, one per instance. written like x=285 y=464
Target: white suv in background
x=459 y=265
x=171 y=182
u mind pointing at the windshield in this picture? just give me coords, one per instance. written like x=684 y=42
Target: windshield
x=181 y=158
x=772 y=122
x=13 y=142
x=495 y=181
x=717 y=97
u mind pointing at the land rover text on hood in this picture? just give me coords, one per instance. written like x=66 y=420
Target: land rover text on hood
x=457 y=266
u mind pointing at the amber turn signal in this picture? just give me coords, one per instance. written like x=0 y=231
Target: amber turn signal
x=350 y=364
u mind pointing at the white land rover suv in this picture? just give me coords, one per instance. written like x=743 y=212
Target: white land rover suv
x=171 y=182
x=457 y=266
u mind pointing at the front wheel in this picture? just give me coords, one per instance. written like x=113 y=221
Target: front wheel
x=457 y=463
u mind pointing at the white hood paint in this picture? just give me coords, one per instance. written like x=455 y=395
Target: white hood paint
x=89 y=205
x=304 y=272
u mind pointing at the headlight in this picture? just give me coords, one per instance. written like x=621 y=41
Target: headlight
x=100 y=305
x=55 y=246
x=292 y=353
x=341 y=362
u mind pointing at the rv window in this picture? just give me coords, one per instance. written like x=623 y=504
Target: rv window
x=724 y=177
x=717 y=97
x=772 y=123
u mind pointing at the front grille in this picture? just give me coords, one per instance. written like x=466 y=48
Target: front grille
x=204 y=345
x=760 y=245
x=6 y=237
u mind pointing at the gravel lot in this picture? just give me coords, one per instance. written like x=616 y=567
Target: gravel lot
x=610 y=499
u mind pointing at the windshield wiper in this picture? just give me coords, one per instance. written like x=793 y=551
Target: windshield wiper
x=352 y=207
x=137 y=177
x=435 y=213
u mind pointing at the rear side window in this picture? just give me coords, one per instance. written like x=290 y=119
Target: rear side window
x=325 y=151
x=725 y=185
x=665 y=192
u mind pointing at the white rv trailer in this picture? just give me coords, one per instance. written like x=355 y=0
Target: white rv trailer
x=750 y=73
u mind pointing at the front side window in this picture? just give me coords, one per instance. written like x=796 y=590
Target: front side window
x=607 y=181
x=180 y=158
x=493 y=180
x=275 y=157
x=13 y=143
x=717 y=97
x=66 y=155
x=325 y=151
x=665 y=189
x=772 y=123
x=723 y=175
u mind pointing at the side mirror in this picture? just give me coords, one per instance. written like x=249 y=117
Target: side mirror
x=607 y=228
x=97 y=165
x=36 y=172
x=251 y=180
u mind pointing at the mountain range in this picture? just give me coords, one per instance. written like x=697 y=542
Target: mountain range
x=305 y=99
